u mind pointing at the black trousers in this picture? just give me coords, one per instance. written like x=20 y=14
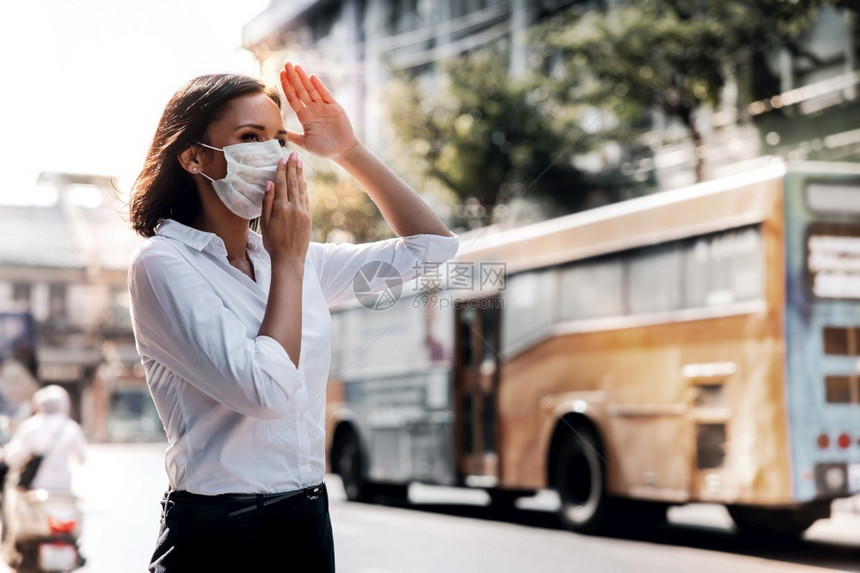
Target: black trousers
x=230 y=533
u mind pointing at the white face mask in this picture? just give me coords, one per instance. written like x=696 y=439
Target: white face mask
x=249 y=167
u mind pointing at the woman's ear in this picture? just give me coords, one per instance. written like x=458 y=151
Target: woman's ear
x=189 y=159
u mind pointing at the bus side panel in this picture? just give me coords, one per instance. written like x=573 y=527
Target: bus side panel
x=651 y=415
x=391 y=380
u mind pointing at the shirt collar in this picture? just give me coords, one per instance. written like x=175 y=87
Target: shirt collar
x=200 y=240
x=190 y=236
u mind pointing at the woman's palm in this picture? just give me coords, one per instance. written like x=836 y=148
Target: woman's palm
x=326 y=129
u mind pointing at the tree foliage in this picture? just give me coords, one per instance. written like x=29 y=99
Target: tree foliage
x=491 y=139
x=675 y=55
x=342 y=211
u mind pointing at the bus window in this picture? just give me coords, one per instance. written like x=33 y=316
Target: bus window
x=529 y=309
x=654 y=279
x=724 y=268
x=592 y=289
x=833 y=198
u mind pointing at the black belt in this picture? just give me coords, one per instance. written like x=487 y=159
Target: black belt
x=252 y=501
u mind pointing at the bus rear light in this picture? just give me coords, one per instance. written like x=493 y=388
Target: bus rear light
x=835 y=478
x=844 y=441
x=823 y=441
x=831 y=479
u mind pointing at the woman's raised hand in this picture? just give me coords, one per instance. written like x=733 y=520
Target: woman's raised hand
x=286 y=219
x=326 y=130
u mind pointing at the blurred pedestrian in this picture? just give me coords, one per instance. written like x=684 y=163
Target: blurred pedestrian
x=233 y=326
x=39 y=456
x=51 y=434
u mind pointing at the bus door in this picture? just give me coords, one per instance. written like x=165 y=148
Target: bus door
x=822 y=235
x=476 y=378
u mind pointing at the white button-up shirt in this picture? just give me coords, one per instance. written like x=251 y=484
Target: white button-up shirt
x=239 y=416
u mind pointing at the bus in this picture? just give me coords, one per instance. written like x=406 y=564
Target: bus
x=694 y=345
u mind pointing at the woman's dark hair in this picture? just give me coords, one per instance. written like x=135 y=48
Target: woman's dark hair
x=163 y=189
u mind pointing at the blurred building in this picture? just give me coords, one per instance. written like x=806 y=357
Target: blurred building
x=66 y=263
x=812 y=112
x=357 y=44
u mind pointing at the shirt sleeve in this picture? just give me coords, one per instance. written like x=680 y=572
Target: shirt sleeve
x=182 y=324
x=19 y=447
x=338 y=265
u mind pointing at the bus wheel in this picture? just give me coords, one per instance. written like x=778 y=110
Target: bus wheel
x=761 y=522
x=350 y=466
x=581 y=482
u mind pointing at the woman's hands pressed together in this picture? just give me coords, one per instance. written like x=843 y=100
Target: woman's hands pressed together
x=286 y=219
x=286 y=229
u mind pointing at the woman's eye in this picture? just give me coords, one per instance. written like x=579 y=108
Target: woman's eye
x=251 y=136
x=283 y=142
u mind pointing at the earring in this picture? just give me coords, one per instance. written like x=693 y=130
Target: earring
x=194 y=169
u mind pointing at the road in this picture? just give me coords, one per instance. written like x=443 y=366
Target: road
x=454 y=531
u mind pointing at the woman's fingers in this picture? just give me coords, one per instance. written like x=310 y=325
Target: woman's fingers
x=325 y=95
x=303 y=184
x=289 y=183
x=268 y=200
x=308 y=85
x=297 y=96
x=302 y=89
x=294 y=83
x=281 y=187
x=293 y=178
x=292 y=99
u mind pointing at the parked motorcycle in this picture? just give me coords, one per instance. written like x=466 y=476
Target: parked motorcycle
x=44 y=527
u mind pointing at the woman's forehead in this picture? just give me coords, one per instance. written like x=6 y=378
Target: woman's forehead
x=256 y=108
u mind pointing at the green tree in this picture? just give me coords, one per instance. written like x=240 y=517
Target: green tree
x=490 y=139
x=341 y=210
x=671 y=54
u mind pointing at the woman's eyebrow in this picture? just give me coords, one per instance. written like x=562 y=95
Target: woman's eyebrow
x=258 y=127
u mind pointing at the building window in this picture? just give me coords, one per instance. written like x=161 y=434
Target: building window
x=57 y=303
x=22 y=294
x=119 y=311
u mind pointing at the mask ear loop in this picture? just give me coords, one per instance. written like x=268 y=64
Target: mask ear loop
x=210 y=147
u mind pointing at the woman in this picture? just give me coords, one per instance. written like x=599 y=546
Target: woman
x=233 y=326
